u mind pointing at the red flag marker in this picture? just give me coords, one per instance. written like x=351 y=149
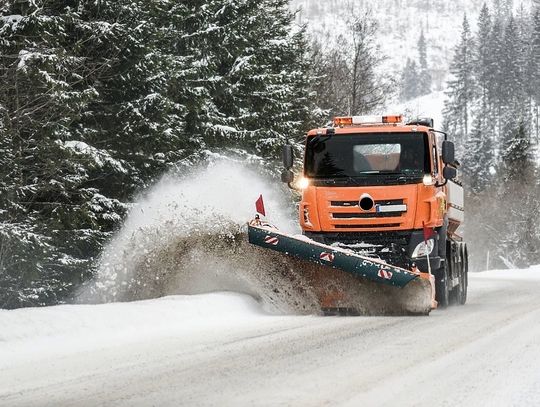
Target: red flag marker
x=428 y=232
x=259 y=206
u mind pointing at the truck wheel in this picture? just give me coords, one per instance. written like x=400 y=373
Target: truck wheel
x=442 y=291
x=455 y=263
x=463 y=276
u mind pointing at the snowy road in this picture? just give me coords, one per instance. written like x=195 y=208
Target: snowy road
x=221 y=349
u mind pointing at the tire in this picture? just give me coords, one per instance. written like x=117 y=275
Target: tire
x=455 y=261
x=463 y=276
x=442 y=291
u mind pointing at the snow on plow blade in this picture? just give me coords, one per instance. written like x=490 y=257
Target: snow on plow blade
x=306 y=249
x=416 y=299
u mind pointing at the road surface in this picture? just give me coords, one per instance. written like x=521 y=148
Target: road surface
x=223 y=350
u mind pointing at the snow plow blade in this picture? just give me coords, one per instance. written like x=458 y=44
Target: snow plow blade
x=360 y=267
x=334 y=257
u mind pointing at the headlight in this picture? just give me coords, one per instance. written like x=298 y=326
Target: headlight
x=423 y=248
x=303 y=183
x=428 y=180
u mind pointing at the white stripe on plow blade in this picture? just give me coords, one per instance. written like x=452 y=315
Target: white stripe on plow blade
x=385 y=274
x=325 y=256
x=271 y=240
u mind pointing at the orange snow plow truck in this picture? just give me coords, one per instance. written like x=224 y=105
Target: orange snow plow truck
x=381 y=199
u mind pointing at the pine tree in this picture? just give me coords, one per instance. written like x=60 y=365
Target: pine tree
x=483 y=70
x=502 y=9
x=513 y=95
x=410 y=81
x=517 y=198
x=534 y=68
x=507 y=7
x=461 y=89
x=99 y=98
x=496 y=47
x=498 y=156
x=424 y=75
x=478 y=158
x=83 y=109
x=252 y=96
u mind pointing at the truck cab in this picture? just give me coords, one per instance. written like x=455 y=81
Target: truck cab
x=383 y=188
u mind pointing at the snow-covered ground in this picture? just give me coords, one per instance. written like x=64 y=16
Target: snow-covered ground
x=223 y=349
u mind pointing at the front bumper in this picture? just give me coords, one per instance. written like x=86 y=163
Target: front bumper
x=395 y=248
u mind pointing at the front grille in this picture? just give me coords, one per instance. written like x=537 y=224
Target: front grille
x=368 y=215
x=380 y=225
x=390 y=202
x=344 y=203
x=349 y=204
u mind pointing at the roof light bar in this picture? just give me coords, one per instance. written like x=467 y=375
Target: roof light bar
x=392 y=119
x=343 y=121
x=359 y=120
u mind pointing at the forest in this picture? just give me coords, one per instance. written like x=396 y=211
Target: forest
x=493 y=112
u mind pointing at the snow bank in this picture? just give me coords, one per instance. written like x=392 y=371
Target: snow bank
x=66 y=327
x=531 y=274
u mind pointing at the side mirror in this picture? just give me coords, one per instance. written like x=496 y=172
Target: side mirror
x=288 y=156
x=287 y=176
x=448 y=152
x=449 y=173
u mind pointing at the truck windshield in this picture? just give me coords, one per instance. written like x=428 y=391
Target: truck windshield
x=366 y=155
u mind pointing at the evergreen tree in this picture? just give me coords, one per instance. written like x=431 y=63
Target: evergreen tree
x=496 y=47
x=461 y=89
x=512 y=64
x=518 y=200
x=502 y=9
x=507 y=7
x=99 y=98
x=424 y=75
x=498 y=157
x=253 y=101
x=483 y=70
x=478 y=158
x=534 y=68
x=410 y=81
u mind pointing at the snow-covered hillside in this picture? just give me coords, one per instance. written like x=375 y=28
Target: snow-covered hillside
x=430 y=105
x=400 y=24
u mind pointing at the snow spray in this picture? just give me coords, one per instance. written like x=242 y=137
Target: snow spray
x=188 y=236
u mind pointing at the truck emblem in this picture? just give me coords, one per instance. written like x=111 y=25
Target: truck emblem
x=326 y=256
x=385 y=274
x=271 y=240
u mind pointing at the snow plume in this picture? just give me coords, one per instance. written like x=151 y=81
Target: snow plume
x=187 y=235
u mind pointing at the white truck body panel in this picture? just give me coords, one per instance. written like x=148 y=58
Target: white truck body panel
x=455 y=202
